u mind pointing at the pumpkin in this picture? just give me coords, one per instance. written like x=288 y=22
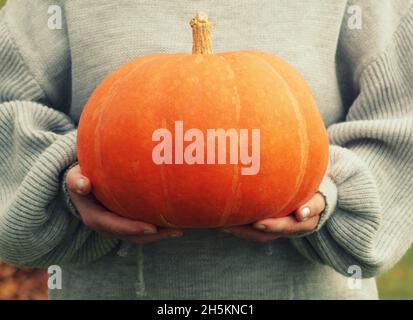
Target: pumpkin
x=243 y=90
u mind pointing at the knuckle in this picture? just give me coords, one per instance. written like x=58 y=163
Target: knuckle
x=87 y=222
x=288 y=230
x=136 y=228
x=70 y=174
x=313 y=225
x=90 y=223
x=320 y=204
x=307 y=227
x=69 y=184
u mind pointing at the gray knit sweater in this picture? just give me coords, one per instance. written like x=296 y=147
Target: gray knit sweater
x=362 y=80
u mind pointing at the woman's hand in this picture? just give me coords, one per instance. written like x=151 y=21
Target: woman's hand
x=98 y=218
x=304 y=219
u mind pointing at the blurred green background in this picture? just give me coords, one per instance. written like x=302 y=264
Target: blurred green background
x=398 y=282
x=395 y=284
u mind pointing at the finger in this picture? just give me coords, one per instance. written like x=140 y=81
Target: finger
x=313 y=207
x=287 y=226
x=161 y=235
x=76 y=182
x=99 y=218
x=248 y=233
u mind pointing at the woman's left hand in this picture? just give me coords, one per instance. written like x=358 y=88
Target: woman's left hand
x=303 y=220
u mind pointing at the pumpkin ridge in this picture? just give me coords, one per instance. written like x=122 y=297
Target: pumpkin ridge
x=104 y=105
x=169 y=210
x=164 y=186
x=233 y=200
x=295 y=81
x=302 y=130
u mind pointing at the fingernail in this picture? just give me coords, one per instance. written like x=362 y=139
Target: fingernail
x=176 y=235
x=79 y=185
x=305 y=213
x=260 y=226
x=149 y=231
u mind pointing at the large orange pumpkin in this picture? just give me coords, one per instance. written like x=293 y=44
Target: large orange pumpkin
x=202 y=90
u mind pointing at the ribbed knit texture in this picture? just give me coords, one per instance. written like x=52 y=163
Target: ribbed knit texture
x=36 y=144
x=371 y=163
x=362 y=81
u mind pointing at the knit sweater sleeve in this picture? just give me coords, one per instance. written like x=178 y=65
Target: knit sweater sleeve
x=37 y=143
x=369 y=183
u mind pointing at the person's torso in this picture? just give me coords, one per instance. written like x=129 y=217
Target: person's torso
x=103 y=35
x=207 y=263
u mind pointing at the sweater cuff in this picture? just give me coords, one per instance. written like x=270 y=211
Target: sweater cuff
x=69 y=205
x=328 y=190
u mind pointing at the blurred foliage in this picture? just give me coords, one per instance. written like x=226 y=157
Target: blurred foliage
x=31 y=284
x=22 y=283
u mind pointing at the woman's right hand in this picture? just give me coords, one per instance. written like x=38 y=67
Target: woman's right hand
x=98 y=218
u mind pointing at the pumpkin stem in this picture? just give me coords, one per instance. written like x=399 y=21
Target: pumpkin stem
x=201 y=33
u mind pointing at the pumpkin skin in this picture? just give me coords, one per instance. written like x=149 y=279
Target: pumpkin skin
x=243 y=89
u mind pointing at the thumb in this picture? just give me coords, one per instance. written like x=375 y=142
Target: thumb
x=76 y=182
